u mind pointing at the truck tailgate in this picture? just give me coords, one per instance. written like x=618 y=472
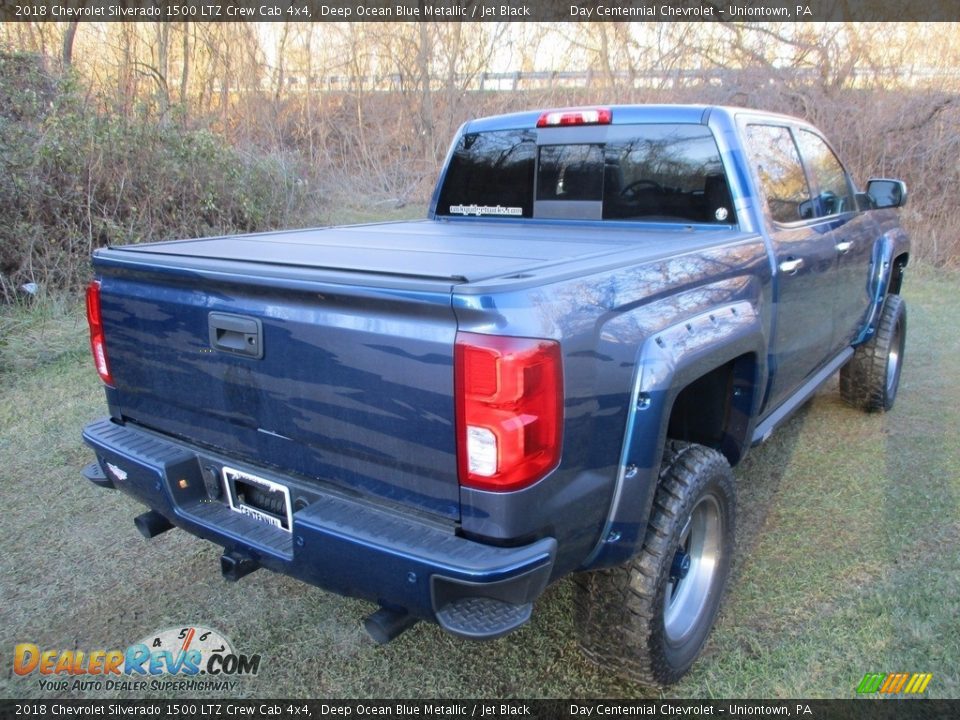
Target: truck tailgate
x=352 y=386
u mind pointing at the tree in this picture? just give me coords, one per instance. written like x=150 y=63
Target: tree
x=69 y=34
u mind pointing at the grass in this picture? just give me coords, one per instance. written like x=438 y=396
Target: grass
x=848 y=560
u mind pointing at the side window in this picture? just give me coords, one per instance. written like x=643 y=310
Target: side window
x=782 y=179
x=834 y=196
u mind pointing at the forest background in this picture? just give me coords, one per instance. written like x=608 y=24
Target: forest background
x=129 y=132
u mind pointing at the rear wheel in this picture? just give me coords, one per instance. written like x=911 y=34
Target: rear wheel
x=871 y=379
x=650 y=618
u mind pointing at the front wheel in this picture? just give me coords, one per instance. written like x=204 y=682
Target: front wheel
x=871 y=379
x=650 y=618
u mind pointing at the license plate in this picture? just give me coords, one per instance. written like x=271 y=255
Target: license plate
x=258 y=498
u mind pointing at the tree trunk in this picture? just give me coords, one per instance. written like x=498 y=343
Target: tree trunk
x=163 y=63
x=185 y=75
x=68 y=37
x=425 y=52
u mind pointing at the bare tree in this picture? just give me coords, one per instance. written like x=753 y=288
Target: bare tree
x=185 y=64
x=69 y=34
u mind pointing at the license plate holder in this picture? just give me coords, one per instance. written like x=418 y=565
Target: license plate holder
x=241 y=485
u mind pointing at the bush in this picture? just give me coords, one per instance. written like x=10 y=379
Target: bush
x=74 y=179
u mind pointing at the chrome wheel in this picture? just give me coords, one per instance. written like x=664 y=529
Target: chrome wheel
x=893 y=360
x=693 y=570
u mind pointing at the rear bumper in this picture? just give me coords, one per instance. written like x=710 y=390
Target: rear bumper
x=337 y=542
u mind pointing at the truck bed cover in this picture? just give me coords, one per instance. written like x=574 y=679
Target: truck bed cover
x=457 y=252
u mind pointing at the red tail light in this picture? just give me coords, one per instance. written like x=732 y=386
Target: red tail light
x=97 y=341
x=509 y=410
x=576 y=116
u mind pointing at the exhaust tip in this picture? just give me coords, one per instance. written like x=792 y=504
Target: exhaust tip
x=385 y=625
x=151 y=523
x=234 y=566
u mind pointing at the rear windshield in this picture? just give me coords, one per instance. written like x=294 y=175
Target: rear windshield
x=664 y=173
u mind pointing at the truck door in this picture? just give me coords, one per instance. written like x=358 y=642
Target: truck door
x=805 y=261
x=851 y=231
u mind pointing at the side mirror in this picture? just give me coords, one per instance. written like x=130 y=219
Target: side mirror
x=886 y=193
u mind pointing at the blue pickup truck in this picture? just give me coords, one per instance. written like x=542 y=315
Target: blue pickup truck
x=551 y=375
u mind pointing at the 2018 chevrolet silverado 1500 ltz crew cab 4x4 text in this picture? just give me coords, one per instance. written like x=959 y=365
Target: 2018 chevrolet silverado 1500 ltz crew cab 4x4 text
x=551 y=375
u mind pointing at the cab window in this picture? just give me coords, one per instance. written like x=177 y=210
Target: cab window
x=669 y=173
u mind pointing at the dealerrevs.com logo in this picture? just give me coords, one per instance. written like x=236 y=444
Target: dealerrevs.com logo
x=185 y=658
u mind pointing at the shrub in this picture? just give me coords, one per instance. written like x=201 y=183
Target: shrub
x=75 y=178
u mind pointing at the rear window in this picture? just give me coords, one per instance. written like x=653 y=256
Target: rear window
x=570 y=172
x=491 y=174
x=663 y=173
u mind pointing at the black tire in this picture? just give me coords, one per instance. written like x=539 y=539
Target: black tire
x=871 y=379
x=640 y=620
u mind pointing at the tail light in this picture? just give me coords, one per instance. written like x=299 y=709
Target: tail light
x=575 y=116
x=97 y=341
x=509 y=394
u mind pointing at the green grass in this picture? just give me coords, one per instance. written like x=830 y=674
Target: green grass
x=849 y=536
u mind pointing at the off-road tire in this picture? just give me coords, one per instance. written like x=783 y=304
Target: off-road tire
x=871 y=379
x=620 y=612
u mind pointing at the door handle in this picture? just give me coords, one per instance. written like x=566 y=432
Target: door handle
x=791 y=266
x=844 y=247
x=235 y=334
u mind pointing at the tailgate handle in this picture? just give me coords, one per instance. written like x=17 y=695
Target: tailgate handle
x=236 y=334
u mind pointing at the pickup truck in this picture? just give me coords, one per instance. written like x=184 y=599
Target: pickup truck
x=552 y=375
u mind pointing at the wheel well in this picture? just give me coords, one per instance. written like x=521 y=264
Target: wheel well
x=896 y=274
x=714 y=410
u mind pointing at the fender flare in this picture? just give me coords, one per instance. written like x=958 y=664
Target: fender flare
x=667 y=362
x=886 y=249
